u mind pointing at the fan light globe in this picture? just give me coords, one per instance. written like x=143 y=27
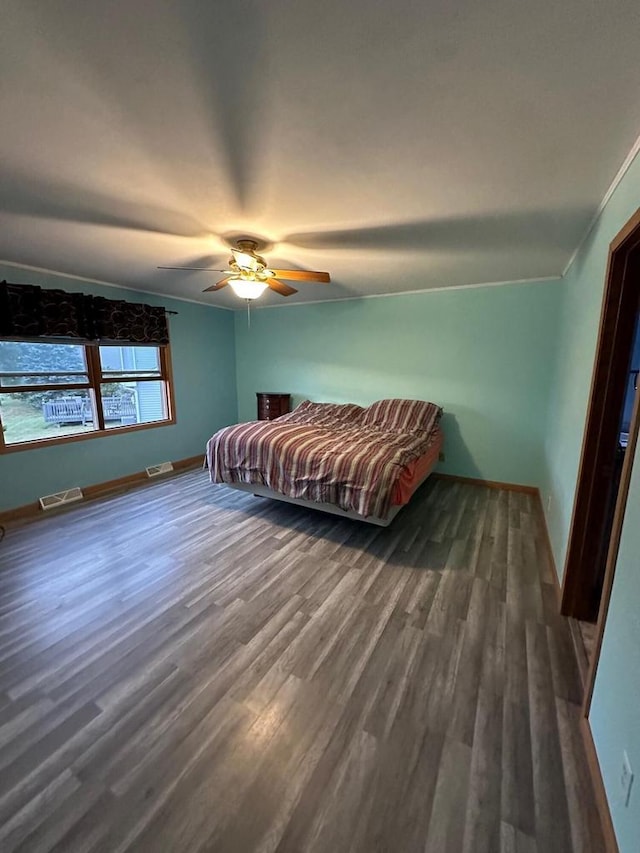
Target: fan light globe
x=247 y=289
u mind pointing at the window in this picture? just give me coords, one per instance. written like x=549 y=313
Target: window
x=52 y=392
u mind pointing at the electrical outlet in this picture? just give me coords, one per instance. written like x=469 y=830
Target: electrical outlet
x=626 y=778
x=441 y=456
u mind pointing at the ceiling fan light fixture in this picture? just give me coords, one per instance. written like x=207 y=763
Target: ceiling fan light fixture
x=244 y=260
x=247 y=289
x=249 y=276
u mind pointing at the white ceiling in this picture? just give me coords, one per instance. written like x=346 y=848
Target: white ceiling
x=399 y=145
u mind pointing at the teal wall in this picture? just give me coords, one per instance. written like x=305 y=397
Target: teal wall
x=615 y=713
x=484 y=354
x=203 y=357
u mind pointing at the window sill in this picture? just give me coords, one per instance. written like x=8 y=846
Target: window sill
x=68 y=439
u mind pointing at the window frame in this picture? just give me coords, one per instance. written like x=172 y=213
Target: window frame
x=95 y=379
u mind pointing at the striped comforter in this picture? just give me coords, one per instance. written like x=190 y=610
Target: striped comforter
x=350 y=465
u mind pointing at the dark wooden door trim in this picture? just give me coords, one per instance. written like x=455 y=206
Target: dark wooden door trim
x=612 y=554
x=617 y=324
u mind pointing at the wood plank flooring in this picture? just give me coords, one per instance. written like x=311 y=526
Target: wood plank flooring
x=189 y=668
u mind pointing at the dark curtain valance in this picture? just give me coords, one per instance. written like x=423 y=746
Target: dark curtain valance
x=28 y=311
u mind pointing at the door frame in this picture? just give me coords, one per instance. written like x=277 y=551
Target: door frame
x=608 y=386
x=612 y=554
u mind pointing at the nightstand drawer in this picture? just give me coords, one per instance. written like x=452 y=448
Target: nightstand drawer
x=272 y=405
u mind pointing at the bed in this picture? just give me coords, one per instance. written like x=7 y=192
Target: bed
x=356 y=462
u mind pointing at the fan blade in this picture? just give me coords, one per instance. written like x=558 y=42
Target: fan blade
x=303 y=275
x=218 y=285
x=204 y=269
x=280 y=287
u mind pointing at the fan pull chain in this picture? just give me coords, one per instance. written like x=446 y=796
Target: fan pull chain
x=248 y=313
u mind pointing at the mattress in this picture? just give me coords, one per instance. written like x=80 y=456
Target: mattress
x=417 y=470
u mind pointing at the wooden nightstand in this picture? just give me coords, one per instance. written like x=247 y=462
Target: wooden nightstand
x=272 y=405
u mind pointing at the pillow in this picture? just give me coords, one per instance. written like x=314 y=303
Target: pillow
x=402 y=415
x=325 y=414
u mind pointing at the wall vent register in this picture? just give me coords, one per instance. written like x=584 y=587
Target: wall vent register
x=61 y=498
x=162 y=468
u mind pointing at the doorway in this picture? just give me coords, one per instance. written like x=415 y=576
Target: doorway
x=608 y=448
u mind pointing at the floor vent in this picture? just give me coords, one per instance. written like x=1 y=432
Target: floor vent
x=162 y=468
x=61 y=498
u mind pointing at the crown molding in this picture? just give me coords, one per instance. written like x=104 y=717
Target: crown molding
x=613 y=186
x=425 y=290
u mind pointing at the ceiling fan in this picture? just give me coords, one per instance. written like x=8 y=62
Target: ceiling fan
x=249 y=275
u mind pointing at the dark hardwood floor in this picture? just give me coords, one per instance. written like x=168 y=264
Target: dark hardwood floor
x=188 y=668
